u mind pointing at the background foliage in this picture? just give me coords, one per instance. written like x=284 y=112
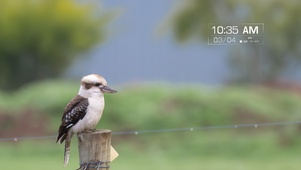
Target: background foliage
x=39 y=39
x=251 y=64
x=141 y=107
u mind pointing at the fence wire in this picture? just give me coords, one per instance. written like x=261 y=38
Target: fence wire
x=167 y=130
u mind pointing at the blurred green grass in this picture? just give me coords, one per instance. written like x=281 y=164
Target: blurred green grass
x=156 y=106
x=191 y=150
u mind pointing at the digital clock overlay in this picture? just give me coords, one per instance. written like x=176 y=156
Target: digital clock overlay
x=236 y=34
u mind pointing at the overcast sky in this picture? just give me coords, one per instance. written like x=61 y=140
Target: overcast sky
x=135 y=52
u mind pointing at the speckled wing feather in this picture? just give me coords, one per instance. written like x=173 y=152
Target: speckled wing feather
x=74 y=111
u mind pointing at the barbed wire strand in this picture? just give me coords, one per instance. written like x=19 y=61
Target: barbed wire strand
x=138 y=132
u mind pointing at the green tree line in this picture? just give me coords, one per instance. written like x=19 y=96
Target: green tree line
x=39 y=39
x=255 y=64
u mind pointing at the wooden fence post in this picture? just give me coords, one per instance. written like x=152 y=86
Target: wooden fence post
x=94 y=150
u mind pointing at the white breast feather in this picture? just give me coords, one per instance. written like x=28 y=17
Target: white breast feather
x=92 y=117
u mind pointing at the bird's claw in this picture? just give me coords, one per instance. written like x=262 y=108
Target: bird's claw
x=89 y=130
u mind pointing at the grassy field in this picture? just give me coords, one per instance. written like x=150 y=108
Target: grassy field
x=186 y=150
x=140 y=107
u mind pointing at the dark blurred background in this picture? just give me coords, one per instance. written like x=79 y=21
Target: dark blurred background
x=156 y=54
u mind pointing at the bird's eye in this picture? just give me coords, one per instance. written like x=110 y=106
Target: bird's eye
x=97 y=84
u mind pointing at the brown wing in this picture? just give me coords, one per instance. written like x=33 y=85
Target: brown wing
x=74 y=111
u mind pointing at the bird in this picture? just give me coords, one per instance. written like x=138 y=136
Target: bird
x=84 y=111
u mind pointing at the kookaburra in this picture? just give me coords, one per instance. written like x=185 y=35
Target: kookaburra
x=84 y=111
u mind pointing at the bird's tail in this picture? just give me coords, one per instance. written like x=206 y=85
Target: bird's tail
x=67 y=148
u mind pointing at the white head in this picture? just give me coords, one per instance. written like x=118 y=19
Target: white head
x=94 y=84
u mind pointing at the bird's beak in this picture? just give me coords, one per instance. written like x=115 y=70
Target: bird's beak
x=107 y=89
